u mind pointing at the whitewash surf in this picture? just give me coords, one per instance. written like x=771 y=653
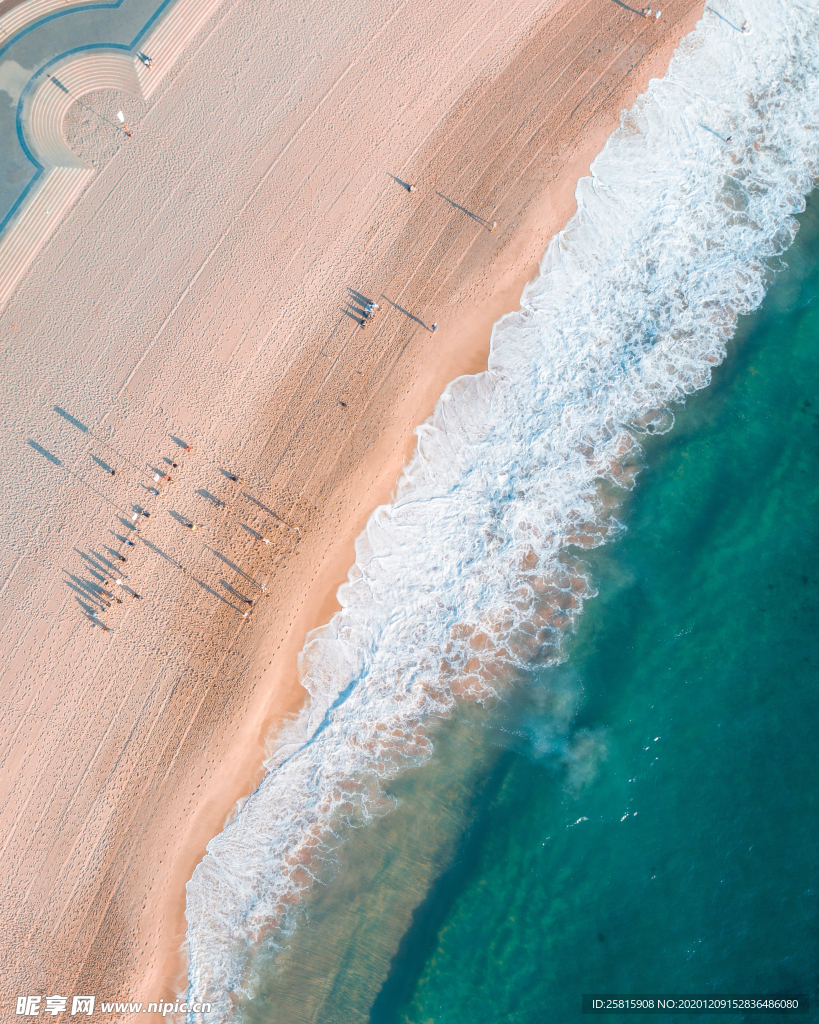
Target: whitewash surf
x=468 y=577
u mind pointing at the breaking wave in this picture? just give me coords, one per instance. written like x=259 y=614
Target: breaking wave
x=467 y=578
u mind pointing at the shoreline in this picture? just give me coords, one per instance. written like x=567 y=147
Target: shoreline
x=197 y=293
x=465 y=328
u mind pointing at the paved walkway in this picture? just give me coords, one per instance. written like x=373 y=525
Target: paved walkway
x=40 y=44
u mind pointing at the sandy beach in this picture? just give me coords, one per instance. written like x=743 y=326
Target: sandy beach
x=203 y=292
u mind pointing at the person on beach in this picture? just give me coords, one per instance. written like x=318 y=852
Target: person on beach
x=130 y=544
x=113 y=472
x=188 y=448
x=146 y=60
x=233 y=478
x=122 y=558
x=434 y=328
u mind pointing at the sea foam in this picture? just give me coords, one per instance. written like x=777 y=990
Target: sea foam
x=467 y=578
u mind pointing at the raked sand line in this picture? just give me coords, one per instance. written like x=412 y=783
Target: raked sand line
x=45 y=106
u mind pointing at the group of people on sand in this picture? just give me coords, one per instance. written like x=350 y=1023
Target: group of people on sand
x=370 y=310
x=648 y=12
x=105 y=597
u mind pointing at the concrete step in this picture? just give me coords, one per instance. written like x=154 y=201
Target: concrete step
x=48 y=104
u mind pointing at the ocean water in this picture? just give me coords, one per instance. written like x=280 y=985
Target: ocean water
x=693 y=868
x=460 y=825
x=668 y=839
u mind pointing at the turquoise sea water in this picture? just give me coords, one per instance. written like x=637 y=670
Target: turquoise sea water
x=542 y=822
x=507 y=881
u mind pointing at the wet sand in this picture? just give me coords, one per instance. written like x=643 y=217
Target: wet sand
x=200 y=292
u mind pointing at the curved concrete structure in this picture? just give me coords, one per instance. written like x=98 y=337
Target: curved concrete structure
x=55 y=93
x=41 y=114
x=24 y=14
